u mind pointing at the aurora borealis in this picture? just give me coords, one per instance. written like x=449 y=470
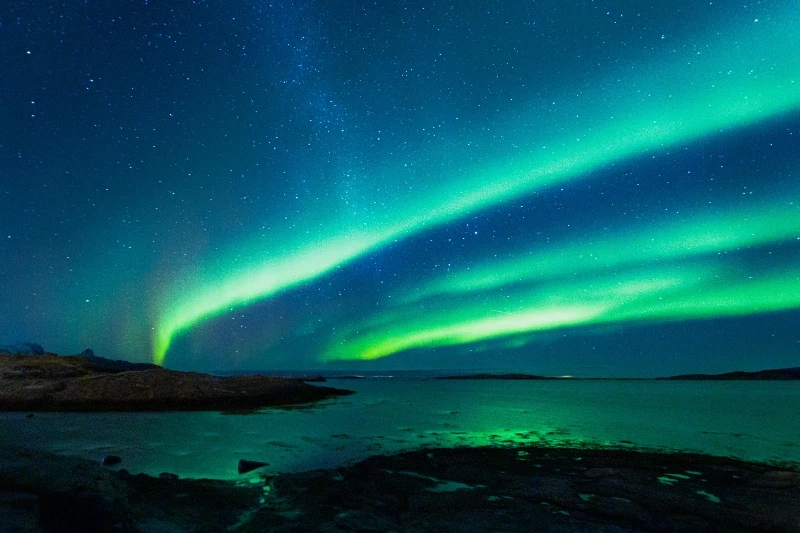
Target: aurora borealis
x=585 y=188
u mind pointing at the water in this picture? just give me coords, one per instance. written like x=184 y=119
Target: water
x=749 y=420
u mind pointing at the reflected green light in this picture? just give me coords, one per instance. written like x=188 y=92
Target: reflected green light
x=732 y=87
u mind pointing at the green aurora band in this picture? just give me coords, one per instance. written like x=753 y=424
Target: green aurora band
x=681 y=292
x=732 y=87
x=767 y=223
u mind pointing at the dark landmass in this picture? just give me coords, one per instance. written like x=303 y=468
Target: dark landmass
x=22 y=348
x=462 y=489
x=762 y=375
x=78 y=383
x=497 y=376
x=313 y=378
x=101 y=364
x=86 y=359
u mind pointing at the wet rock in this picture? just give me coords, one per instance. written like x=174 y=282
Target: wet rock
x=596 y=473
x=607 y=490
x=19 y=512
x=72 y=494
x=488 y=489
x=246 y=466
x=777 y=479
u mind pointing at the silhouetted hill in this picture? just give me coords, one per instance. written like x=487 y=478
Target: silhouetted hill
x=101 y=364
x=764 y=375
x=496 y=376
x=22 y=348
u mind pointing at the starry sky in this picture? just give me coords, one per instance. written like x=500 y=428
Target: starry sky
x=591 y=188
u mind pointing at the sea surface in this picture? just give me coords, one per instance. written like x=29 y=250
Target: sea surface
x=748 y=420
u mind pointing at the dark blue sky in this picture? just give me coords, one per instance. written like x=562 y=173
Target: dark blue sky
x=586 y=188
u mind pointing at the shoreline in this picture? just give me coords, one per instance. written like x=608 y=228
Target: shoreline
x=441 y=489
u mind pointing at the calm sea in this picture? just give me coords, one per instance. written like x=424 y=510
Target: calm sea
x=749 y=420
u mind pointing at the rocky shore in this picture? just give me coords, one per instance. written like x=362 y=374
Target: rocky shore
x=454 y=490
x=75 y=383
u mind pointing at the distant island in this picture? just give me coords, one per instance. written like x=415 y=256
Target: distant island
x=777 y=374
x=497 y=376
x=85 y=382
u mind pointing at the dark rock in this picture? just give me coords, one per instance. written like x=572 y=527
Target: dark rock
x=88 y=352
x=248 y=466
x=777 y=479
x=73 y=494
x=595 y=473
x=448 y=490
x=168 y=475
x=499 y=489
x=19 y=512
x=111 y=460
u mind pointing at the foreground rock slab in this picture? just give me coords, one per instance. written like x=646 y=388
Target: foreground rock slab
x=536 y=489
x=52 y=383
x=42 y=492
x=447 y=490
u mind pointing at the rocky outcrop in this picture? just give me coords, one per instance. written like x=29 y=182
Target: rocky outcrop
x=52 y=383
x=454 y=490
x=63 y=493
x=535 y=489
x=42 y=492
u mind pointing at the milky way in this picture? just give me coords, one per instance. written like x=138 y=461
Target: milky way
x=271 y=187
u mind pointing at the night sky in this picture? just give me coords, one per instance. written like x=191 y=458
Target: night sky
x=592 y=188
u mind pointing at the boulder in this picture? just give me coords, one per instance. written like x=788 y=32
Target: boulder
x=246 y=466
x=111 y=460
